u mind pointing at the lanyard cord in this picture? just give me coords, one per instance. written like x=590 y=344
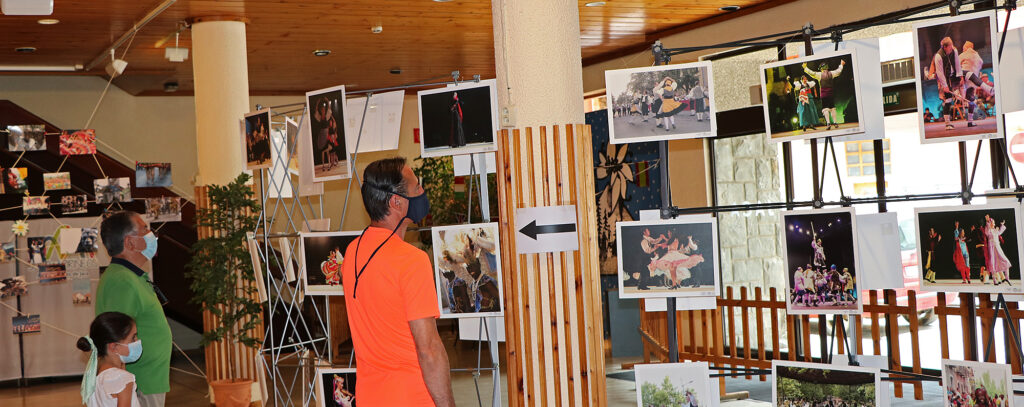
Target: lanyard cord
x=356 y=259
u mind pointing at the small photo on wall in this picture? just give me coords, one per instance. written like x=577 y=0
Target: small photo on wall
x=35 y=205
x=110 y=190
x=78 y=142
x=957 y=78
x=468 y=271
x=327 y=134
x=657 y=103
x=163 y=209
x=975 y=249
x=336 y=387
x=322 y=254
x=56 y=181
x=52 y=273
x=255 y=140
x=149 y=175
x=89 y=242
x=977 y=384
x=37 y=247
x=820 y=258
x=15 y=180
x=7 y=252
x=74 y=204
x=800 y=383
x=25 y=324
x=461 y=119
x=13 y=286
x=684 y=384
x=668 y=258
x=26 y=137
x=811 y=97
x=81 y=291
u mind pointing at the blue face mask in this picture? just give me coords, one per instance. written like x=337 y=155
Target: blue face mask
x=419 y=207
x=134 y=351
x=150 y=249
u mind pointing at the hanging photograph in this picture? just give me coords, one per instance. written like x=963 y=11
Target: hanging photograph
x=13 y=286
x=673 y=384
x=336 y=387
x=110 y=190
x=322 y=254
x=25 y=324
x=820 y=259
x=163 y=209
x=257 y=266
x=657 y=103
x=26 y=137
x=37 y=247
x=81 y=291
x=78 y=142
x=148 y=175
x=468 y=271
x=815 y=384
x=957 y=78
x=55 y=181
x=460 y=119
x=668 y=258
x=15 y=180
x=977 y=384
x=327 y=133
x=35 y=205
x=74 y=204
x=7 y=252
x=89 y=242
x=52 y=273
x=811 y=97
x=256 y=139
x=974 y=249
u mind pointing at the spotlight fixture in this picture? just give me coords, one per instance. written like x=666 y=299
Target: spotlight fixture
x=321 y=52
x=729 y=8
x=441 y=1
x=48 y=21
x=594 y=4
x=377 y=29
x=171 y=86
x=25 y=50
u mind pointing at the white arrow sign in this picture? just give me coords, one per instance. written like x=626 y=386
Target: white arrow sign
x=546 y=229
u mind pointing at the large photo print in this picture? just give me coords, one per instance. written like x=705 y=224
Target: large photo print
x=820 y=257
x=322 y=254
x=468 y=277
x=668 y=258
x=814 y=384
x=459 y=119
x=660 y=103
x=972 y=249
x=327 y=133
x=673 y=384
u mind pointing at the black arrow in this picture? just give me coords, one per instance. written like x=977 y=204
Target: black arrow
x=532 y=230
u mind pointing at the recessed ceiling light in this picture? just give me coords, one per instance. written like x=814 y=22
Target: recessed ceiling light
x=48 y=21
x=25 y=50
x=442 y=1
x=395 y=71
x=594 y=4
x=729 y=8
x=321 y=52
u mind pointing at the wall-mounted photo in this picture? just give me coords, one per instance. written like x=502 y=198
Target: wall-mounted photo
x=327 y=134
x=78 y=142
x=668 y=258
x=163 y=209
x=820 y=259
x=89 y=242
x=815 y=384
x=673 y=384
x=336 y=387
x=56 y=181
x=15 y=180
x=256 y=139
x=52 y=273
x=977 y=384
x=664 y=102
x=973 y=248
x=26 y=137
x=35 y=205
x=459 y=119
x=38 y=248
x=468 y=270
x=322 y=254
x=148 y=175
x=74 y=204
x=110 y=190
x=25 y=324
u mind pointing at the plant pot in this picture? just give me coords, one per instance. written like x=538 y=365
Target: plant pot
x=232 y=393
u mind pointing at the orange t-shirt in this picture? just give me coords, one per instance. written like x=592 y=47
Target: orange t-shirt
x=396 y=287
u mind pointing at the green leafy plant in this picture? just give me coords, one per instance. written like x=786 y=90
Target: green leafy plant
x=220 y=262
x=448 y=207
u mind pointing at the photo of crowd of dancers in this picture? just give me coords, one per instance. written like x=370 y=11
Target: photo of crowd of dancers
x=673 y=102
x=666 y=258
x=807 y=385
x=820 y=261
x=468 y=269
x=257 y=140
x=811 y=96
x=969 y=248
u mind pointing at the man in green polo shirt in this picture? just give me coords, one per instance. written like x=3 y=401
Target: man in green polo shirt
x=125 y=288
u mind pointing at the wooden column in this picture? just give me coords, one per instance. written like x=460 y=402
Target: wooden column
x=552 y=300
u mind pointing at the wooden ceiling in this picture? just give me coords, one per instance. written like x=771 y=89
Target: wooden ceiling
x=425 y=39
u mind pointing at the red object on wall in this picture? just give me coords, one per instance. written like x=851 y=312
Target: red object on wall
x=416 y=135
x=1015 y=147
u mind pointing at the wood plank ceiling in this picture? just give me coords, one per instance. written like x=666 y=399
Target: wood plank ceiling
x=425 y=39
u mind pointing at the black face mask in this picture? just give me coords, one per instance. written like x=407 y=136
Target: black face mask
x=419 y=205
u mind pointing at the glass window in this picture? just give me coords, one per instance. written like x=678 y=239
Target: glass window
x=869 y=170
x=852 y=159
x=852 y=147
x=867 y=146
x=867 y=157
x=854 y=171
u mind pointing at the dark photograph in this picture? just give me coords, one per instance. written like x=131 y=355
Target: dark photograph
x=322 y=254
x=821 y=262
x=811 y=97
x=256 y=139
x=458 y=120
x=969 y=248
x=327 y=132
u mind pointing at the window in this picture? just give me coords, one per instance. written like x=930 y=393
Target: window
x=860 y=157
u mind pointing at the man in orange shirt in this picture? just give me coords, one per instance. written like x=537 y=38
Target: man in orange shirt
x=390 y=296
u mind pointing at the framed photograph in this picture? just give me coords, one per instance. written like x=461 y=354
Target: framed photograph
x=811 y=97
x=657 y=103
x=149 y=175
x=110 y=190
x=820 y=258
x=326 y=136
x=335 y=387
x=26 y=137
x=957 y=78
x=52 y=273
x=35 y=205
x=25 y=324
x=322 y=254
x=163 y=209
x=256 y=139
x=685 y=384
x=468 y=270
x=975 y=248
x=74 y=204
x=15 y=180
x=668 y=258
x=460 y=119
x=55 y=181
x=78 y=142
x=816 y=384
x=977 y=383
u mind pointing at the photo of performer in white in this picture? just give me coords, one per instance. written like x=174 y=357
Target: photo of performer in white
x=667 y=258
x=970 y=250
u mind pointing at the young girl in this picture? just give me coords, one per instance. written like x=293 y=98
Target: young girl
x=112 y=342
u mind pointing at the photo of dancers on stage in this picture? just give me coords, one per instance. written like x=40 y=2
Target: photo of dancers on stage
x=969 y=249
x=660 y=103
x=468 y=270
x=976 y=384
x=821 y=262
x=257 y=140
x=811 y=97
x=458 y=120
x=668 y=258
x=957 y=79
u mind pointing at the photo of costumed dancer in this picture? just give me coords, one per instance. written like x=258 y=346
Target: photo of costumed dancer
x=969 y=249
x=322 y=254
x=458 y=120
x=667 y=258
x=468 y=270
x=660 y=103
x=821 y=261
x=812 y=97
x=976 y=384
x=257 y=139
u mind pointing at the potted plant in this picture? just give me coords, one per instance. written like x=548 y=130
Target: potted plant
x=222 y=275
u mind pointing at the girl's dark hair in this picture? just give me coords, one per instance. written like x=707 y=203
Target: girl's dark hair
x=107 y=328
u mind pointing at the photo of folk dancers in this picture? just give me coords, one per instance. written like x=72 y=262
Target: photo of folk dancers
x=657 y=103
x=149 y=175
x=460 y=119
x=811 y=97
x=468 y=271
x=336 y=387
x=801 y=384
x=668 y=258
x=820 y=257
x=327 y=133
x=973 y=249
x=27 y=137
x=110 y=190
x=673 y=385
x=322 y=254
x=163 y=209
x=256 y=139
x=976 y=384
x=957 y=78
x=78 y=142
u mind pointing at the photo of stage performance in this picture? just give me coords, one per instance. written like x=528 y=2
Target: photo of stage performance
x=327 y=133
x=976 y=384
x=322 y=254
x=256 y=139
x=459 y=119
x=820 y=258
x=801 y=384
x=468 y=271
x=336 y=387
x=973 y=249
x=957 y=78
x=811 y=97
x=668 y=258
x=656 y=103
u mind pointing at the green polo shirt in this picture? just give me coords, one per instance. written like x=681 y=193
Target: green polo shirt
x=122 y=290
